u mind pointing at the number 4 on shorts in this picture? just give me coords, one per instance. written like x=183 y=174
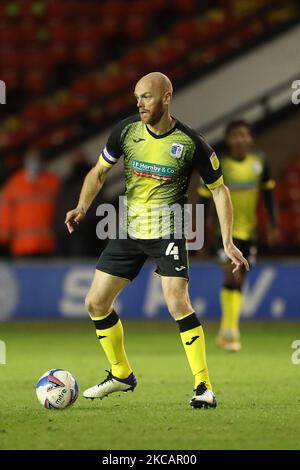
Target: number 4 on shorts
x=172 y=250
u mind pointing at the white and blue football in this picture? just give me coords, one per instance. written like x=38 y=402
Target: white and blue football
x=57 y=389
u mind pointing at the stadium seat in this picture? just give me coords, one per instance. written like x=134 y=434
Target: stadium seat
x=141 y=9
x=85 y=53
x=57 y=137
x=35 y=80
x=10 y=57
x=187 y=30
x=27 y=30
x=61 y=32
x=115 y=8
x=34 y=9
x=186 y=7
x=11 y=78
x=134 y=56
x=110 y=26
x=136 y=28
x=9 y=34
x=59 y=52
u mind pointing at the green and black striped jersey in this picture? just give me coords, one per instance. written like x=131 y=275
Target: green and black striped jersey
x=158 y=169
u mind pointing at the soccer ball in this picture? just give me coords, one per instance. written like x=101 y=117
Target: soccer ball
x=57 y=389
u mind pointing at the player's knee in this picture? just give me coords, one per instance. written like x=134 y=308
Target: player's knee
x=96 y=307
x=89 y=305
x=178 y=306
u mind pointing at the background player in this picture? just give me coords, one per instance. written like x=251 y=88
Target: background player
x=160 y=154
x=246 y=173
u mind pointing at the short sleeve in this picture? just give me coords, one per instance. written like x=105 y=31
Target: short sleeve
x=207 y=164
x=113 y=149
x=266 y=181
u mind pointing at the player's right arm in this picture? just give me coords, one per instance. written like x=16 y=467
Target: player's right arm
x=92 y=184
x=94 y=180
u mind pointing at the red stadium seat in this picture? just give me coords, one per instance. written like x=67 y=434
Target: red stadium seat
x=10 y=57
x=116 y=105
x=187 y=30
x=59 y=52
x=292 y=166
x=34 y=112
x=134 y=56
x=61 y=31
x=87 y=10
x=281 y=191
x=86 y=53
x=88 y=85
x=87 y=30
x=33 y=9
x=141 y=8
x=36 y=58
x=23 y=134
x=27 y=30
x=80 y=103
x=9 y=34
x=112 y=85
x=10 y=77
x=211 y=53
x=110 y=26
x=187 y=7
x=136 y=27
x=115 y=8
x=56 y=9
x=35 y=80
x=57 y=137
x=293 y=191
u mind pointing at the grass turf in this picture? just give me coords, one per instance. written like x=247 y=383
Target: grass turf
x=258 y=390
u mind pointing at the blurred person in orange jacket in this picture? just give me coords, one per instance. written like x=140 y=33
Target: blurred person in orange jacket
x=27 y=209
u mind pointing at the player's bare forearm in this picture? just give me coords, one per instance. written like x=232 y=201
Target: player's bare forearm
x=92 y=184
x=222 y=200
x=224 y=209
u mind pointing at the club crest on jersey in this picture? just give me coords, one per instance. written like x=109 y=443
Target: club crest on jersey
x=214 y=161
x=176 y=150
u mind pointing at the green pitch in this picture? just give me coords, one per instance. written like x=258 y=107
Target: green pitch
x=258 y=390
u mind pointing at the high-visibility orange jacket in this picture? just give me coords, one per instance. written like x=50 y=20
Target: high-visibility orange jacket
x=26 y=213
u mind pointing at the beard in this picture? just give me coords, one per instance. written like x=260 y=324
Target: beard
x=153 y=117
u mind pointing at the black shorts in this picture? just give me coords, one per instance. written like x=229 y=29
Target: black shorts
x=247 y=247
x=125 y=257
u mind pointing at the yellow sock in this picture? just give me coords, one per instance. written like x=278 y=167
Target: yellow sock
x=192 y=337
x=110 y=333
x=231 y=302
x=237 y=299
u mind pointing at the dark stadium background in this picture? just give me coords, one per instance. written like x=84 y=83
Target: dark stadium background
x=69 y=68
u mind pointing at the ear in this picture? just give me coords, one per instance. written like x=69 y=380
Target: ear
x=167 y=98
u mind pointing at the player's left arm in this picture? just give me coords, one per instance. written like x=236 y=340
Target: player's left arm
x=222 y=200
x=208 y=165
